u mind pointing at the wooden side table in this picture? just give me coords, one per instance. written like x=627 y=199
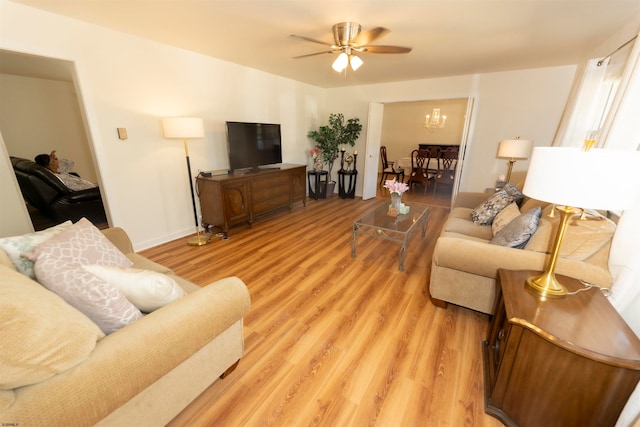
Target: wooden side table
x=557 y=362
x=347 y=184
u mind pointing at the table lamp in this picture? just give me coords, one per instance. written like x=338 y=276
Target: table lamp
x=514 y=149
x=187 y=127
x=574 y=179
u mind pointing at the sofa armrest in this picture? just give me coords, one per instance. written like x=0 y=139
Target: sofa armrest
x=485 y=259
x=119 y=238
x=134 y=357
x=469 y=200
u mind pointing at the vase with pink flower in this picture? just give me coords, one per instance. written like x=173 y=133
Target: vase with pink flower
x=396 y=189
x=316 y=158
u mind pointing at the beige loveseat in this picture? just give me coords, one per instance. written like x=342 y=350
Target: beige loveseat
x=141 y=375
x=464 y=265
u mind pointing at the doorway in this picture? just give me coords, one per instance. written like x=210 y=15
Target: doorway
x=41 y=111
x=399 y=126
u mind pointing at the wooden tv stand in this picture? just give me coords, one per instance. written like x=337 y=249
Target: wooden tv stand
x=238 y=198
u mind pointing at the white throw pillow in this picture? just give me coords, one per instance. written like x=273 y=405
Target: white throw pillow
x=16 y=245
x=147 y=290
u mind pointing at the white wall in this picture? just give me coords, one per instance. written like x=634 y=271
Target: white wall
x=129 y=82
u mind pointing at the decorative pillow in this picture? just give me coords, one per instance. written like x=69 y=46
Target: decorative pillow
x=41 y=334
x=518 y=231
x=581 y=240
x=16 y=245
x=147 y=290
x=504 y=217
x=487 y=210
x=81 y=244
x=513 y=191
x=102 y=302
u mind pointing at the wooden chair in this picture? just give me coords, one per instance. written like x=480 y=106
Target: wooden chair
x=432 y=153
x=446 y=168
x=388 y=169
x=419 y=172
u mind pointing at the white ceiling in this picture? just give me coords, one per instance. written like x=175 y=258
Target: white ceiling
x=448 y=37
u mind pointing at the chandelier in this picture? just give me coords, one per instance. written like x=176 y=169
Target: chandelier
x=434 y=120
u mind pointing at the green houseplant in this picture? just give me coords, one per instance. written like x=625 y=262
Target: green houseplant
x=330 y=137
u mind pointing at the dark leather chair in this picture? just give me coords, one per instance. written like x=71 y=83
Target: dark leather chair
x=45 y=192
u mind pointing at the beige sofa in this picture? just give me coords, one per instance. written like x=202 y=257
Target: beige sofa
x=464 y=265
x=143 y=374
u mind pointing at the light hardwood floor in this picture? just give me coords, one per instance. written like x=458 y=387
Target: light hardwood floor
x=336 y=341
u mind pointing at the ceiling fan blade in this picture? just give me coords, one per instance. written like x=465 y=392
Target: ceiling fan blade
x=384 y=49
x=366 y=37
x=309 y=39
x=314 y=54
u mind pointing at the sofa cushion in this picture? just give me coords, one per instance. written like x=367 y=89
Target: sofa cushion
x=518 y=231
x=16 y=245
x=484 y=213
x=147 y=290
x=581 y=240
x=468 y=228
x=504 y=217
x=41 y=334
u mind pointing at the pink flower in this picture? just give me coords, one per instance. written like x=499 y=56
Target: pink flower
x=395 y=187
x=315 y=152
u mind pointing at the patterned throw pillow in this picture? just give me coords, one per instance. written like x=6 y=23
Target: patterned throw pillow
x=58 y=267
x=513 y=191
x=518 y=231
x=82 y=244
x=100 y=301
x=17 y=245
x=487 y=210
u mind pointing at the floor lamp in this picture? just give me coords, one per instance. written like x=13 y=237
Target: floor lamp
x=187 y=127
x=514 y=149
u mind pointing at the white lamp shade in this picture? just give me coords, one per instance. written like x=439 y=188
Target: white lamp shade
x=514 y=149
x=355 y=62
x=341 y=62
x=594 y=179
x=183 y=127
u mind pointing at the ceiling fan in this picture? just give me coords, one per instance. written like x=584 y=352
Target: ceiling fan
x=349 y=39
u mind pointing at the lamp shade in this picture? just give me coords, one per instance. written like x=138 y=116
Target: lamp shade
x=514 y=148
x=594 y=179
x=183 y=127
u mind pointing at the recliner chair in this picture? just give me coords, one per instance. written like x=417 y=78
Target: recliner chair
x=44 y=191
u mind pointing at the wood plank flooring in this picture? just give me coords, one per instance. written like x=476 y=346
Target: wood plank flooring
x=336 y=341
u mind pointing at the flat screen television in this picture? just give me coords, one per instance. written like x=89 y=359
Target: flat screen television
x=253 y=145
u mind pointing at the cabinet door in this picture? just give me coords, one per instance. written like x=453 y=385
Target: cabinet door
x=298 y=185
x=236 y=202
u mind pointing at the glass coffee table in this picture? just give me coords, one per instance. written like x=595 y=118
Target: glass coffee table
x=398 y=229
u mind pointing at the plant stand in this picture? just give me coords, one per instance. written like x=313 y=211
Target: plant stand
x=347 y=184
x=317 y=184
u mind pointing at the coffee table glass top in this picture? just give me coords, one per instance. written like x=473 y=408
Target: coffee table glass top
x=377 y=223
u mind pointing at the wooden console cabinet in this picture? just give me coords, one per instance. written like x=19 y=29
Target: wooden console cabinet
x=228 y=200
x=557 y=362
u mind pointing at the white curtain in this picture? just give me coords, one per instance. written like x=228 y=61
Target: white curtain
x=604 y=88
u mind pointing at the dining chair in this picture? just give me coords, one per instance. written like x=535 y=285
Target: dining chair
x=446 y=168
x=419 y=172
x=388 y=169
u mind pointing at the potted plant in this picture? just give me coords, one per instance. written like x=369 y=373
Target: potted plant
x=329 y=138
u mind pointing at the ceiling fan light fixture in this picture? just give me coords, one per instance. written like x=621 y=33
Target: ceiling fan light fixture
x=341 y=62
x=355 y=62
